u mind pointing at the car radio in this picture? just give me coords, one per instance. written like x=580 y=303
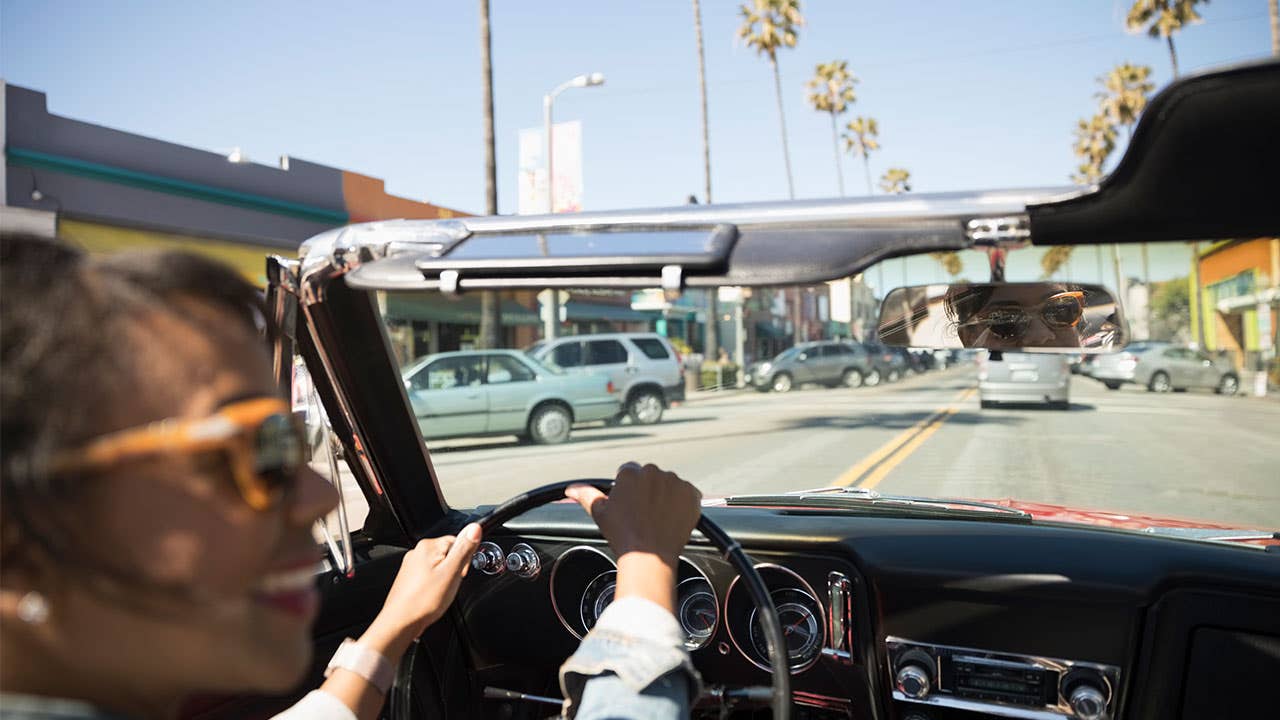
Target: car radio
x=1000 y=683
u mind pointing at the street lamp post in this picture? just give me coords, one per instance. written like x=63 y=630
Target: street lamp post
x=551 y=321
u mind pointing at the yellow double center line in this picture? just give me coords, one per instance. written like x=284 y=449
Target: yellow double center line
x=870 y=470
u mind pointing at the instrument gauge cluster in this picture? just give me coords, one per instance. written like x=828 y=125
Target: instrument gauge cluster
x=804 y=626
x=584 y=582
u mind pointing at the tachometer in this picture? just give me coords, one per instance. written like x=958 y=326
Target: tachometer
x=596 y=597
x=801 y=618
x=697 y=611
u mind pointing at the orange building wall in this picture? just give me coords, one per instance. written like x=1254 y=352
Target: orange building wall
x=366 y=199
x=1235 y=258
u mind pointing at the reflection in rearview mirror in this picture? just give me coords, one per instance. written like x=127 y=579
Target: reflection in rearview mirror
x=1004 y=316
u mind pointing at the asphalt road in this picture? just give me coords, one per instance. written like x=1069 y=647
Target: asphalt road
x=1190 y=455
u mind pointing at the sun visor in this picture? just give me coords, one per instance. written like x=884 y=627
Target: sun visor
x=744 y=245
x=1203 y=164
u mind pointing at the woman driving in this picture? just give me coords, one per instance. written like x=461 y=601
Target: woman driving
x=156 y=506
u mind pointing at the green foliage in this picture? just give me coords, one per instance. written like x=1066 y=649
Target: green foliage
x=831 y=87
x=1171 y=310
x=860 y=136
x=896 y=181
x=1095 y=140
x=770 y=24
x=1054 y=259
x=1124 y=93
x=1162 y=18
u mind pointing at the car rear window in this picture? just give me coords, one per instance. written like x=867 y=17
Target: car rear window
x=652 y=348
x=568 y=355
x=605 y=352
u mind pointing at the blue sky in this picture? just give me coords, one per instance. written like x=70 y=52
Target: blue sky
x=968 y=95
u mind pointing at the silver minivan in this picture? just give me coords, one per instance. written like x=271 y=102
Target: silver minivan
x=643 y=366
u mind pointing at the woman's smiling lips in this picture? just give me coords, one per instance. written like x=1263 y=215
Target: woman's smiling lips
x=291 y=591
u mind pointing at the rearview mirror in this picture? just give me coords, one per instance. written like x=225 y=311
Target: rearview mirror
x=1004 y=316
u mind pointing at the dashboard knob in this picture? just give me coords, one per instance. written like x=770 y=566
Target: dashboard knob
x=524 y=562
x=913 y=681
x=489 y=559
x=1088 y=702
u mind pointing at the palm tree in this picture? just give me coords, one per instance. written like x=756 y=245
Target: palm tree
x=1095 y=139
x=1273 y=6
x=711 y=344
x=1094 y=143
x=490 y=303
x=831 y=92
x=896 y=181
x=1163 y=18
x=1124 y=94
x=1124 y=97
x=860 y=139
x=767 y=26
x=702 y=93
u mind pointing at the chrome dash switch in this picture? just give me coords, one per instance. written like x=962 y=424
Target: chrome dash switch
x=489 y=559
x=524 y=562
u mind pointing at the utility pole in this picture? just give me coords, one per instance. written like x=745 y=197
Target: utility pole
x=711 y=339
x=490 y=300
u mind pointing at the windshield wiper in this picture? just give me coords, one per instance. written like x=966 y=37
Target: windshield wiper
x=860 y=499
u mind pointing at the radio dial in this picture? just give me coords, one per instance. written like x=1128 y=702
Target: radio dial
x=1088 y=702
x=913 y=681
x=489 y=559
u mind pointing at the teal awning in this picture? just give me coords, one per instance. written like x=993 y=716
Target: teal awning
x=462 y=311
x=575 y=310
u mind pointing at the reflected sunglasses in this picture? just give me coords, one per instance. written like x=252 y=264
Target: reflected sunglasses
x=1059 y=311
x=264 y=443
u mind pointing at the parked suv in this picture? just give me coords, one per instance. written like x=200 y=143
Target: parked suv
x=828 y=362
x=643 y=366
x=1162 y=367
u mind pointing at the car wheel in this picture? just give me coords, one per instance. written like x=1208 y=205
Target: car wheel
x=782 y=383
x=852 y=378
x=1112 y=385
x=1229 y=385
x=1160 y=383
x=894 y=376
x=872 y=378
x=645 y=407
x=550 y=425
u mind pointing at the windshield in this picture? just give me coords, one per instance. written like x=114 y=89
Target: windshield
x=1135 y=438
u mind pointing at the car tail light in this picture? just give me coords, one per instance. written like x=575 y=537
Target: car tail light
x=610 y=387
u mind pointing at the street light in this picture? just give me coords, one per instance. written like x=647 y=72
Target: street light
x=551 y=323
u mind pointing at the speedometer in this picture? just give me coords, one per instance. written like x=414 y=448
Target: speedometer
x=801 y=619
x=697 y=611
x=597 y=597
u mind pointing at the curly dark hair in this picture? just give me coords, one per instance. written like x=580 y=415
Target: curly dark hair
x=71 y=359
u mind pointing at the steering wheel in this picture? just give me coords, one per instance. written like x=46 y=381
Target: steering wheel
x=780 y=693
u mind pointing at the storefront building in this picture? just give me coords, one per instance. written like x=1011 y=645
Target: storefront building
x=1240 y=297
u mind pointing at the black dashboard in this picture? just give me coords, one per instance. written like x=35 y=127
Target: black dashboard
x=919 y=619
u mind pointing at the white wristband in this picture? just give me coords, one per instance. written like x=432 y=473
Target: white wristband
x=368 y=664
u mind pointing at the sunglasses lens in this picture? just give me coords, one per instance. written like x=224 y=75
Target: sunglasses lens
x=1006 y=324
x=279 y=452
x=1062 y=312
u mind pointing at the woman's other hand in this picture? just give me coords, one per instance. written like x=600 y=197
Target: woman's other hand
x=423 y=589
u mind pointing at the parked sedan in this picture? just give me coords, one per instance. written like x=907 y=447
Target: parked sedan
x=503 y=392
x=890 y=363
x=1161 y=367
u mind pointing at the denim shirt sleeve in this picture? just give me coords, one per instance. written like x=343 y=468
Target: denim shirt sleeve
x=633 y=665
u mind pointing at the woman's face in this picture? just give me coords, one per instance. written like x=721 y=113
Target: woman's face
x=243 y=620
x=1015 y=317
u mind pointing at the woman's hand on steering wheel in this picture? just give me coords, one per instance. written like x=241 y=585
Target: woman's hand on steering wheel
x=424 y=588
x=647 y=519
